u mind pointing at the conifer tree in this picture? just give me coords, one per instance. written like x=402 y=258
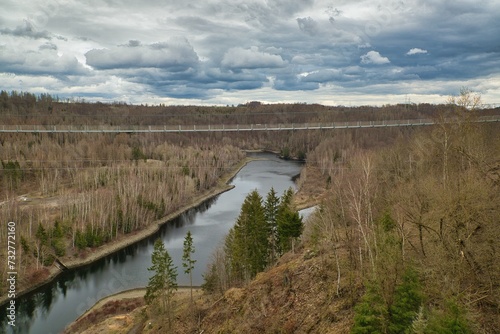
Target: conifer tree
x=451 y=320
x=187 y=260
x=406 y=304
x=271 y=213
x=164 y=281
x=371 y=312
x=249 y=245
x=289 y=222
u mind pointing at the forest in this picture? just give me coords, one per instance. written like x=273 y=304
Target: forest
x=405 y=237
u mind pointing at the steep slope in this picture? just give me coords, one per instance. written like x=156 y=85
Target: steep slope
x=296 y=296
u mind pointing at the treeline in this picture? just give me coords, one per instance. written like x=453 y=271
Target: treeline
x=25 y=102
x=263 y=232
x=414 y=225
x=19 y=108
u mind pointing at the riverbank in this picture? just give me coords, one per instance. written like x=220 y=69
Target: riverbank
x=123 y=312
x=126 y=240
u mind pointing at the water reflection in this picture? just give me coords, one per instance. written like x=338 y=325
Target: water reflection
x=52 y=307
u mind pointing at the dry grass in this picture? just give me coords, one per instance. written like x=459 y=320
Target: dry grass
x=296 y=296
x=115 y=316
x=312 y=188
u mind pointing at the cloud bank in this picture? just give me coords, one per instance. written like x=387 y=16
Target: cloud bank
x=229 y=52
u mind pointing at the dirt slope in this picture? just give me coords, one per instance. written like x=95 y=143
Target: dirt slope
x=296 y=296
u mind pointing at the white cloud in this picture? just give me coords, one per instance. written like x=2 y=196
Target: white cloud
x=250 y=59
x=373 y=57
x=415 y=51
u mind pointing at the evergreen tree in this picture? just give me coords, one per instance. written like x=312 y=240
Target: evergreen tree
x=164 y=281
x=235 y=268
x=371 y=312
x=249 y=243
x=187 y=260
x=289 y=222
x=41 y=234
x=40 y=249
x=451 y=320
x=406 y=304
x=271 y=213
x=419 y=324
x=374 y=315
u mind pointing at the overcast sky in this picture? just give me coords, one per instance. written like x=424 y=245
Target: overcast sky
x=339 y=52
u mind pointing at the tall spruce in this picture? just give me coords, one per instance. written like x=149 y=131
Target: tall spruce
x=249 y=246
x=371 y=312
x=271 y=213
x=289 y=222
x=406 y=304
x=187 y=260
x=163 y=283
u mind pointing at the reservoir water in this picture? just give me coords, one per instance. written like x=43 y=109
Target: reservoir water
x=51 y=308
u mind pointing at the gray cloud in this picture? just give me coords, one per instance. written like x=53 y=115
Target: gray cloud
x=308 y=25
x=48 y=46
x=204 y=50
x=40 y=63
x=175 y=55
x=26 y=30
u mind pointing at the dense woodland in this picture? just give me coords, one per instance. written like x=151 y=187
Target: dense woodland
x=406 y=234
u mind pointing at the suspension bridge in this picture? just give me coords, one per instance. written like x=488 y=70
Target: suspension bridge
x=225 y=127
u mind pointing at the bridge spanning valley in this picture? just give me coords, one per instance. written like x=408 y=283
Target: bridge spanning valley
x=225 y=127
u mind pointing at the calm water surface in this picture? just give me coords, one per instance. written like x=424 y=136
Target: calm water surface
x=54 y=306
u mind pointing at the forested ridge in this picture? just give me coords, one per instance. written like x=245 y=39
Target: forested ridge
x=405 y=240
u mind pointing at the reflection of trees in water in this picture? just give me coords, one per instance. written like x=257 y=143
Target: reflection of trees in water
x=24 y=316
x=121 y=256
x=62 y=287
x=168 y=230
x=25 y=310
x=207 y=204
x=68 y=278
x=46 y=297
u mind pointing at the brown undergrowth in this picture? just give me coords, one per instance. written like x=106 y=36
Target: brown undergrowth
x=298 y=295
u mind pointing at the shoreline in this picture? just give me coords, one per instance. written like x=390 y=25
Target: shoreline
x=126 y=294
x=134 y=237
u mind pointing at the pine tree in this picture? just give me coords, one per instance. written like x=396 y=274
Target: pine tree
x=187 y=260
x=164 y=281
